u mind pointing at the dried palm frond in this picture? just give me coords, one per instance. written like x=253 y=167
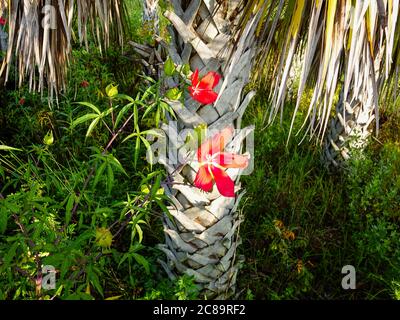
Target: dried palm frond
x=40 y=36
x=3 y=6
x=345 y=45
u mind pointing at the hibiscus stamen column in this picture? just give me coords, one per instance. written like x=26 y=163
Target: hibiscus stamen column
x=202 y=228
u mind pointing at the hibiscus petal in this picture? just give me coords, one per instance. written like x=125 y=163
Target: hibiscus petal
x=204 y=96
x=215 y=144
x=201 y=91
x=210 y=80
x=195 y=78
x=230 y=160
x=225 y=185
x=203 y=179
x=220 y=140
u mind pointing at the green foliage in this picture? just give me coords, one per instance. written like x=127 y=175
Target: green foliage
x=183 y=288
x=144 y=32
x=169 y=67
x=308 y=224
x=81 y=196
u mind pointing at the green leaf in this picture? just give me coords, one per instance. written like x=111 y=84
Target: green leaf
x=124 y=96
x=13 y=207
x=91 y=106
x=48 y=138
x=150 y=176
x=152 y=132
x=7 y=148
x=148 y=110
x=137 y=151
x=155 y=189
x=10 y=255
x=147 y=78
x=107 y=112
x=164 y=208
x=68 y=208
x=110 y=179
x=3 y=221
x=121 y=114
x=99 y=173
x=124 y=257
x=165 y=106
x=139 y=231
x=92 y=126
x=115 y=162
x=157 y=117
x=186 y=69
x=173 y=94
x=130 y=136
x=113 y=298
x=141 y=260
x=94 y=279
x=59 y=290
x=136 y=117
x=148 y=147
x=169 y=67
x=84 y=118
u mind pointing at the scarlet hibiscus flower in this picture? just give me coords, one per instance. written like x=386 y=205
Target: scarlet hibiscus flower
x=213 y=161
x=202 y=91
x=3 y=21
x=84 y=84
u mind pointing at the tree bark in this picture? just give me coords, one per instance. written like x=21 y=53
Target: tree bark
x=150 y=15
x=202 y=236
x=3 y=41
x=351 y=128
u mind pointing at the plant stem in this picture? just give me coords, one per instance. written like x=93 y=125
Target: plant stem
x=92 y=170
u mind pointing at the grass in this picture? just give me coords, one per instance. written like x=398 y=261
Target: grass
x=302 y=225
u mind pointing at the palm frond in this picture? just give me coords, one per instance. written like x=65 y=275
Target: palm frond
x=353 y=45
x=41 y=32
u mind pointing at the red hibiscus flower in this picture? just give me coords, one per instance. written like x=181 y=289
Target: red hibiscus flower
x=202 y=91
x=3 y=21
x=213 y=161
x=84 y=84
x=21 y=101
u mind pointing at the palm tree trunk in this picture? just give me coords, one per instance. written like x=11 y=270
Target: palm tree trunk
x=347 y=134
x=3 y=41
x=150 y=15
x=202 y=236
x=356 y=110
